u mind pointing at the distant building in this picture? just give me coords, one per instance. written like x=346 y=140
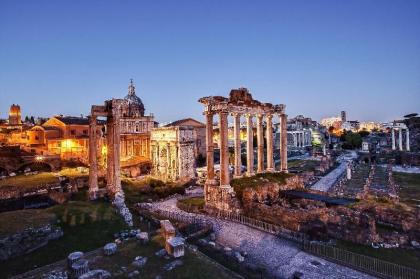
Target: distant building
x=200 y=131
x=331 y=122
x=343 y=116
x=15 y=117
x=173 y=152
x=369 y=126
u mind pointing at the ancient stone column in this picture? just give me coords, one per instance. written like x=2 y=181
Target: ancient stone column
x=294 y=139
x=260 y=143
x=407 y=139
x=113 y=163
x=393 y=137
x=224 y=150
x=249 y=146
x=93 y=159
x=400 y=139
x=269 y=136
x=210 y=148
x=237 y=142
x=110 y=153
x=283 y=142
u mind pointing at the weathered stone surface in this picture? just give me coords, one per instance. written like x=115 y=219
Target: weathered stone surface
x=96 y=274
x=110 y=249
x=27 y=241
x=74 y=257
x=172 y=265
x=139 y=262
x=119 y=202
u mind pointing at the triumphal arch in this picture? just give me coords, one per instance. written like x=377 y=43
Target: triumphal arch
x=239 y=104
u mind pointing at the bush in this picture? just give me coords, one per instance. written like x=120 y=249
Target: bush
x=155 y=183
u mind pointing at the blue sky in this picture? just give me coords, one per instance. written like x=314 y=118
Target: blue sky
x=317 y=57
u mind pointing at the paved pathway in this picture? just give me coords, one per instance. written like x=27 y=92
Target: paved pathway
x=279 y=256
x=326 y=182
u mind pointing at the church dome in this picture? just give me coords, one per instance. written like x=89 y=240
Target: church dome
x=135 y=104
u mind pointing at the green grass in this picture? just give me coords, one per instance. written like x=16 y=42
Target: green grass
x=141 y=191
x=405 y=257
x=195 y=204
x=195 y=266
x=240 y=184
x=409 y=187
x=29 y=181
x=17 y=221
x=86 y=226
x=303 y=165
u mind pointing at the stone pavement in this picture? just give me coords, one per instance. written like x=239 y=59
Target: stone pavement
x=280 y=257
x=326 y=182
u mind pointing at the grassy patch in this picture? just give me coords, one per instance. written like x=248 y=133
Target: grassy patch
x=194 y=265
x=86 y=226
x=29 y=181
x=405 y=257
x=142 y=190
x=240 y=184
x=17 y=221
x=195 y=204
x=303 y=165
x=409 y=187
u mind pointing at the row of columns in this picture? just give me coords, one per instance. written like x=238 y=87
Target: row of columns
x=113 y=173
x=400 y=138
x=224 y=149
x=300 y=138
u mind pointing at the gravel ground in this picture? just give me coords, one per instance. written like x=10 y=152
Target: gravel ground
x=281 y=257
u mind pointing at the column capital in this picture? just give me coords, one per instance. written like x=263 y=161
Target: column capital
x=259 y=116
x=249 y=115
x=269 y=116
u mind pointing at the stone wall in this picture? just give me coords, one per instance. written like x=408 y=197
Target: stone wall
x=27 y=241
x=365 y=222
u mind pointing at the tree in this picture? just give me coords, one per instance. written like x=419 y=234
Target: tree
x=352 y=140
x=364 y=133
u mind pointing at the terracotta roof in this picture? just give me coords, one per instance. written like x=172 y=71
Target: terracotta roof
x=181 y=122
x=73 y=120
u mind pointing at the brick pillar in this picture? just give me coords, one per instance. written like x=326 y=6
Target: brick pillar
x=260 y=143
x=210 y=148
x=283 y=142
x=224 y=150
x=249 y=146
x=237 y=140
x=93 y=159
x=269 y=136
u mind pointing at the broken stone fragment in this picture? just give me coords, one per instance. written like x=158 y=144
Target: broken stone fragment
x=96 y=274
x=139 y=262
x=172 y=265
x=110 y=249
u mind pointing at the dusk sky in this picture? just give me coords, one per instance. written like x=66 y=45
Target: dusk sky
x=317 y=57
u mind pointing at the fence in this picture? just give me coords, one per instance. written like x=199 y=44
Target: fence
x=367 y=264
x=260 y=225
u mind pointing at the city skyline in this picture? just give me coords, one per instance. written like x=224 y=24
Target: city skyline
x=318 y=58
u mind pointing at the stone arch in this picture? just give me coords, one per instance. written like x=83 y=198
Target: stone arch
x=37 y=166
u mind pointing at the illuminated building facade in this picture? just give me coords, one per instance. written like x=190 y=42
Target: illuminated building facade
x=15 y=117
